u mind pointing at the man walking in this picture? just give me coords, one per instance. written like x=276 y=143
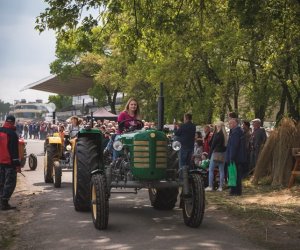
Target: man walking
x=9 y=161
x=186 y=135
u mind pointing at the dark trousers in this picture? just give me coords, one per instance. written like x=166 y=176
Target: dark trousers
x=238 y=189
x=8 y=181
x=185 y=156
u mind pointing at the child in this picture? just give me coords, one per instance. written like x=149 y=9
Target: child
x=205 y=161
x=197 y=155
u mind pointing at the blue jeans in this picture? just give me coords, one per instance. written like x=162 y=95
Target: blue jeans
x=185 y=156
x=110 y=147
x=212 y=165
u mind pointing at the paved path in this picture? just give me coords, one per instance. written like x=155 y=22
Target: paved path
x=133 y=223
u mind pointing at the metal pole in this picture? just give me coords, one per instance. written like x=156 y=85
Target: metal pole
x=160 y=123
x=53 y=117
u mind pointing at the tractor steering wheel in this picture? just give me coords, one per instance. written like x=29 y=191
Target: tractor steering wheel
x=139 y=125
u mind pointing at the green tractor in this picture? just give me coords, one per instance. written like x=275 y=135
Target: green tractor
x=147 y=159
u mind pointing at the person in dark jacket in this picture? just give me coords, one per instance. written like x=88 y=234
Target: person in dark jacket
x=247 y=132
x=9 y=161
x=236 y=152
x=217 y=155
x=257 y=140
x=186 y=135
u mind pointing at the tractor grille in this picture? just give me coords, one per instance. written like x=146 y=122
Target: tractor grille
x=152 y=153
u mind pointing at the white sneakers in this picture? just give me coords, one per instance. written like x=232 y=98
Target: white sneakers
x=209 y=189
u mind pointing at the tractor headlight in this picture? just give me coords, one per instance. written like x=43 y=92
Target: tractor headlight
x=176 y=145
x=68 y=147
x=118 y=146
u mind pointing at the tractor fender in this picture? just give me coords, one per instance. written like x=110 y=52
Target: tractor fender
x=56 y=140
x=97 y=171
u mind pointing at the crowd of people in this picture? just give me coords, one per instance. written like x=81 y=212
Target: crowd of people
x=214 y=148
x=217 y=148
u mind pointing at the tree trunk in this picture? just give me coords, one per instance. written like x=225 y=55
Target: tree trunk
x=280 y=113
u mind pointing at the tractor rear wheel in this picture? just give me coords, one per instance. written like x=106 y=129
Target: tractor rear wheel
x=163 y=198
x=23 y=162
x=194 y=205
x=50 y=155
x=173 y=164
x=86 y=159
x=32 y=161
x=99 y=201
x=23 y=159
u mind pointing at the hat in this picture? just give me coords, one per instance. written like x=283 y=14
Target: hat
x=220 y=123
x=256 y=120
x=10 y=118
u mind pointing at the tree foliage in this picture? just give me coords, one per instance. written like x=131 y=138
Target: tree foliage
x=4 y=107
x=213 y=56
x=60 y=101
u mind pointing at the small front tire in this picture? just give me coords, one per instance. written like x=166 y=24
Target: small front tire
x=99 y=202
x=194 y=205
x=32 y=161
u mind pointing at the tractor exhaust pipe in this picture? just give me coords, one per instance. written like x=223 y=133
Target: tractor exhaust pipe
x=54 y=117
x=161 y=107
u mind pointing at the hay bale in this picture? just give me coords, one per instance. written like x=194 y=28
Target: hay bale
x=276 y=159
x=264 y=164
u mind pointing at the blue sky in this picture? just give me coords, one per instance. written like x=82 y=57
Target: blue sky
x=25 y=54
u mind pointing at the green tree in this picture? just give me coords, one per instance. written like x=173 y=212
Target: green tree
x=4 y=107
x=60 y=101
x=213 y=56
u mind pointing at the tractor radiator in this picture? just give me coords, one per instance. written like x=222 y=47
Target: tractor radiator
x=150 y=154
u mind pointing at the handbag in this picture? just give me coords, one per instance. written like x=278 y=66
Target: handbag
x=232 y=175
x=218 y=157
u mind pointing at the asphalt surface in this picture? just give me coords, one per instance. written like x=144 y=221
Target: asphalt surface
x=133 y=223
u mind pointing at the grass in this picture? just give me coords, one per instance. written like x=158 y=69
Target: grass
x=267 y=215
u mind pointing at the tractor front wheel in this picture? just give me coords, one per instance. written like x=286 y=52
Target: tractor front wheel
x=32 y=161
x=194 y=204
x=99 y=202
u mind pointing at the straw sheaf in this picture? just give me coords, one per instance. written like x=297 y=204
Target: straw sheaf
x=276 y=159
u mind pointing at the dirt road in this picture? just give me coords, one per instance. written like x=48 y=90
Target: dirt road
x=47 y=220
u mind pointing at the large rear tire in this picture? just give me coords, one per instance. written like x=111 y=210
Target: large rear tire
x=32 y=161
x=163 y=198
x=23 y=162
x=23 y=159
x=86 y=158
x=193 y=208
x=173 y=164
x=57 y=176
x=50 y=155
x=99 y=202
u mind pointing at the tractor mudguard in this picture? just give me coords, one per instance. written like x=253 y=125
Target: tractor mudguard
x=56 y=140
